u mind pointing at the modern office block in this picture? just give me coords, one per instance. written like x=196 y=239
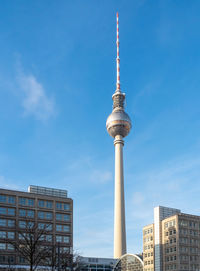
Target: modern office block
x=45 y=207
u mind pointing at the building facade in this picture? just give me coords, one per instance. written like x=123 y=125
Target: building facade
x=97 y=264
x=45 y=207
x=178 y=245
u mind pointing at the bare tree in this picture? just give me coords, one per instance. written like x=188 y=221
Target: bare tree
x=29 y=244
x=63 y=259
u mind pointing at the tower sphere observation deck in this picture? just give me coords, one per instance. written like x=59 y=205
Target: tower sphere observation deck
x=118 y=122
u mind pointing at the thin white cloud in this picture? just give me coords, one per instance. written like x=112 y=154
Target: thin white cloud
x=101 y=176
x=7 y=184
x=35 y=100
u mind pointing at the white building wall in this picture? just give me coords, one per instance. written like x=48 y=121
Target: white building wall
x=160 y=213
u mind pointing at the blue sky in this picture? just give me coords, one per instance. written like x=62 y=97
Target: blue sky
x=57 y=76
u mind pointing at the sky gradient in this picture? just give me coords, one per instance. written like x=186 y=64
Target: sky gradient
x=57 y=77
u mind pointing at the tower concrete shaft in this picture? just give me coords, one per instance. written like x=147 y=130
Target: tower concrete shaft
x=119 y=216
x=118 y=126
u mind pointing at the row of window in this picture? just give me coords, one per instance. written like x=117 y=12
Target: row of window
x=194 y=267
x=171 y=249
x=148 y=247
x=25 y=236
x=148 y=231
x=189 y=241
x=171 y=258
x=7 y=223
x=187 y=249
x=171 y=267
x=4 y=246
x=186 y=223
x=170 y=224
x=193 y=258
x=188 y=232
x=7 y=211
x=9 y=235
x=148 y=239
x=7 y=199
x=148 y=254
x=29 y=224
x=148 y=262
x=31 y=202
x=7 y=259
x=170 y=232
x=171 y=241
x=31 y=214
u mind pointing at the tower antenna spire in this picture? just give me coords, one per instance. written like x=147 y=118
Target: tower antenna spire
x=118 y=59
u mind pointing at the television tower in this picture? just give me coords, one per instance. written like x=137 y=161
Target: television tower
x=118 y=126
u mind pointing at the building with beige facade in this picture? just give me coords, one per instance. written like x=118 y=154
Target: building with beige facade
x=172 y=242
x=39 y=206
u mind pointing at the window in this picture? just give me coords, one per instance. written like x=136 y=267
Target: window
x=3 y=222
x=3 y=211
x=58 y=216
x=26 y=213
x=22 y=224
x=41 y=215
x=22 y=259
x=62 y=206
x=62 y=239
x=41 y=203
x=26 y=201
x=66 y=206
x=66 y=239
x=48 y=238
x=11 y=235
x=49 y=215
x=3 y=198
x=30 y=213
x=22 y=212
x=2 y=246
x=7 y=211
x=45 y=215
x=11 y=259
x=22 y=201
x=11 y=211
x=58 y=227
x=47 y=227
x=11 y=199
x=11 y=223
x=2 y=259
x=62 y=228
x=58 y=238
x=62 y=217
x=31 y=202
x=45 y=204
x=66 y=217
x=59 y=205
x=49 y=204
x=66 y=228
x=2 y=234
